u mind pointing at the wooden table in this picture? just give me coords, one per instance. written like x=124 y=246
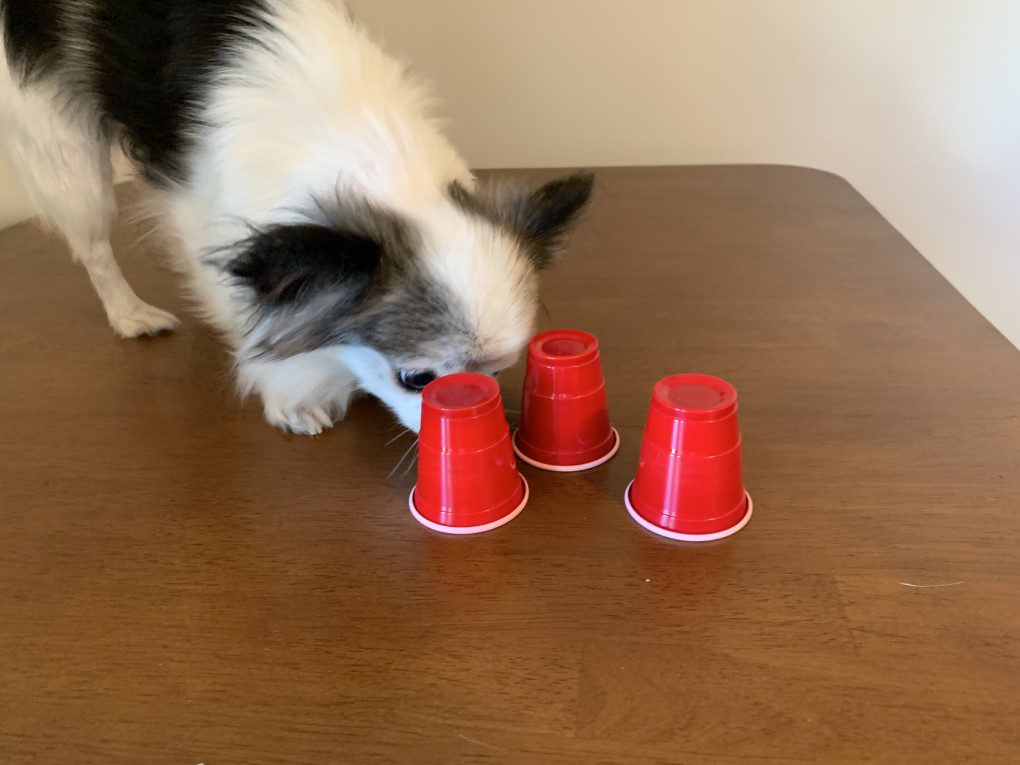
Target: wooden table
x=179 y=583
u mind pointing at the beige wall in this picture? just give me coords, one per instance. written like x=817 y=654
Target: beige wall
x=915 y=102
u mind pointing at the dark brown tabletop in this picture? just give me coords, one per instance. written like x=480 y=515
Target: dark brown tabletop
x=179 y=583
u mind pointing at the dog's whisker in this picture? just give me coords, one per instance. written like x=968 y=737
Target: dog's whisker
x=397 y=437
x=410 y=465
x=403 y=457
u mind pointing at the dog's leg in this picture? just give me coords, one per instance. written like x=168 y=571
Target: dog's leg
x=304 y=394
x=64 y=162
x=128 y=314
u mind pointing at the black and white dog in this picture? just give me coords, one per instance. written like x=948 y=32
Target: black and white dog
x=324 y=224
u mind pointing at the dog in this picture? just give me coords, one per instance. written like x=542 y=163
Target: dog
x=323 y=223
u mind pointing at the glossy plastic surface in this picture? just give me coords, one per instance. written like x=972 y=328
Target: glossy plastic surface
x=564 y=412
x=467 y=473
x=690 y=478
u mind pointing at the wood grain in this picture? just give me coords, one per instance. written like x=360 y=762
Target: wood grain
x=181 y=584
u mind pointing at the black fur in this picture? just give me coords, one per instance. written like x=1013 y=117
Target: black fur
x=31 y=36
x=153 y=60
x=287 y=264
x=148 y=66
x=397 y=317
x=541 y=218
x=549 y=212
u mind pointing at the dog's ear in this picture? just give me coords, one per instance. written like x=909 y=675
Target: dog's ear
x=541 y=218
x=545 y=216
x=286 y=264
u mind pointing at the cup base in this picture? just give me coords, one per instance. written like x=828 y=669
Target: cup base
x=687 y=537
x=465 y=530
x=569 y=468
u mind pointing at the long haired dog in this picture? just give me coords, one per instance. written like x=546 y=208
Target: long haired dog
x=324 y=224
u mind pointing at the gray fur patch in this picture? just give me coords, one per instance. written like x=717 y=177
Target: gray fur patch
x=399 y=310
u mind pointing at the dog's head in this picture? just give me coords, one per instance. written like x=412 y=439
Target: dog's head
x=407 y=299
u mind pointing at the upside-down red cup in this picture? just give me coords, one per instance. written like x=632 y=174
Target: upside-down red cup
x=564 y=413
x=467 y=475
x=690 y=483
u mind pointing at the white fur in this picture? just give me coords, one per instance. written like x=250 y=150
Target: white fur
x=304 y=393
x=483 y=268
x=66 y=169
x=311 y=109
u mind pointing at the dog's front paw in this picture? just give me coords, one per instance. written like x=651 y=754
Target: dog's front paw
x=305 y=420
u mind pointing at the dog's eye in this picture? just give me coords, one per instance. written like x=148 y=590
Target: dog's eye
x=415 y=380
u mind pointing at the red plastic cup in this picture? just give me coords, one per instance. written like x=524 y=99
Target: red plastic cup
x=564 y=413
x=690 y=483
x=467 y=475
